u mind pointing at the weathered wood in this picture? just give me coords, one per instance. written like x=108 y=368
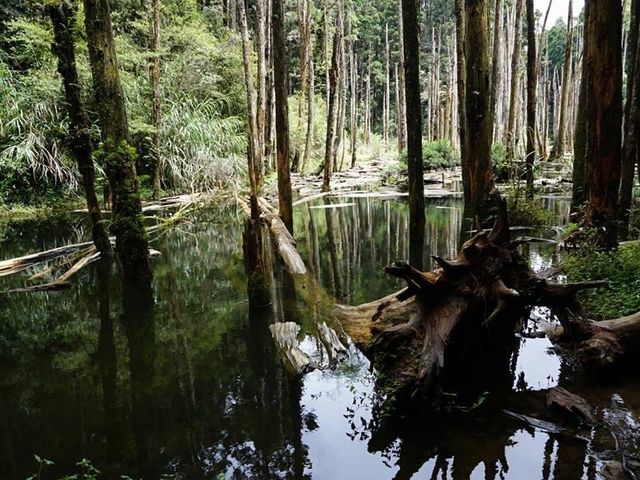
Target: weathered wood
x=569 y=403
x=285 y=336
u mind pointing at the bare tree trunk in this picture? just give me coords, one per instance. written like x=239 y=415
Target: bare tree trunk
x=79 y=125
x=411 y=39
x=495 y=64
x=367 y=104
x=261 y=109
x=532 y=80
x=354 y=104
x=280 y=79
x=156 y=100
x=117 y=154
x=385 y=118
x=310 y=112
x=559 y=144
x=630 y=153
x=512 y=134
x=402 y=105
x=604 y=117
x=332 y=114
x=253 y=143
x=476 y=167
x=461 y=90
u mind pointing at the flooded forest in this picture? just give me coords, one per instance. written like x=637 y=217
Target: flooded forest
x=319 y=239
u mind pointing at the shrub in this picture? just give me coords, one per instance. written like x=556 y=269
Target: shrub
x=621 y=268
x=436 y=155
x=501 y=168
x=529 y=213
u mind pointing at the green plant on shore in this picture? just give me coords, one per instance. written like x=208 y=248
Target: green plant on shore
x=620 y=267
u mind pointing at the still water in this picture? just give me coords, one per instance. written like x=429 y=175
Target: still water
x=197 y=390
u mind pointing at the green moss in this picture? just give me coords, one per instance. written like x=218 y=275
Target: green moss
x=621 y=268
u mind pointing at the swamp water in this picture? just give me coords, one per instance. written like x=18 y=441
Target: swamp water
x=199 y=391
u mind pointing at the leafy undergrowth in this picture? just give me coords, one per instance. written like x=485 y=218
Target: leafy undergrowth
x=529 y=213
x=621 y=268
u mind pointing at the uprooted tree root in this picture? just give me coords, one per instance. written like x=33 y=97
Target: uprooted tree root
x=455 y=326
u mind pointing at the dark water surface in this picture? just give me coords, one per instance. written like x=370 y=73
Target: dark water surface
x=198 y=390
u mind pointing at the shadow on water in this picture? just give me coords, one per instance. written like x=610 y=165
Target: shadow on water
x=182 y=377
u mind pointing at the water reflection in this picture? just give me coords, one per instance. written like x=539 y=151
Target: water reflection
x=189 y=384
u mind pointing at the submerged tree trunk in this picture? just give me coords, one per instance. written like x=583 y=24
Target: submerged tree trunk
x=62 y=17
x=561 y=134
x=117 y=155
x=414 y=130
x=630 y=151
x=604 y=118
x=532 y=81
x=282 y=121
x=156 y=100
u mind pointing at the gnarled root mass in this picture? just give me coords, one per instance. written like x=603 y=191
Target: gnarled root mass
x=455 y=326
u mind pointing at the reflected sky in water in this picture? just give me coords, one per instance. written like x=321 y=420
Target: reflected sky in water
x=204 y=377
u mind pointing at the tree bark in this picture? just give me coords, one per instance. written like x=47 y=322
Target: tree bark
x=332 y=114
x=261 y=105
x=559 y=144
x=512 y=133
x=80 y=138
x=579 y=174
x=495 y=64
x=354 y=105
x=532 y=81
x=116 y=152
x=402 y=104
x=477 y=174
x=411 y=39
x=282 y=121
x=253 y=142
x=604 y=118
x=156 y=98
x=385 y=128
x=630 y=150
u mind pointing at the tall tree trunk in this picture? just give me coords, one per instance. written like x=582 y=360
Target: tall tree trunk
x=512 y=133
x=117 y=154
x=411 y=37
x=62 y=18
x=281 y=82
x=253 y=143
x=332 y=114
x=476 y=167
x=630 y=153
x=354 y=104
x=461 y=91
x=559 y=144
x=402 y=104
x=579 y=174
x=386 y=87
x=532 y=80
x=261 y=105
x=604 y=117
x=310 y=112
x=495 y=64
x=156 y=100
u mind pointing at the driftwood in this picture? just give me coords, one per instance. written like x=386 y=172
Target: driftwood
x=455 y=326
x=285 y=242
x=285 y=337
x=576 y=407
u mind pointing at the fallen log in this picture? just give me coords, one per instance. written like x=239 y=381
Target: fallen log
x=454 y=327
